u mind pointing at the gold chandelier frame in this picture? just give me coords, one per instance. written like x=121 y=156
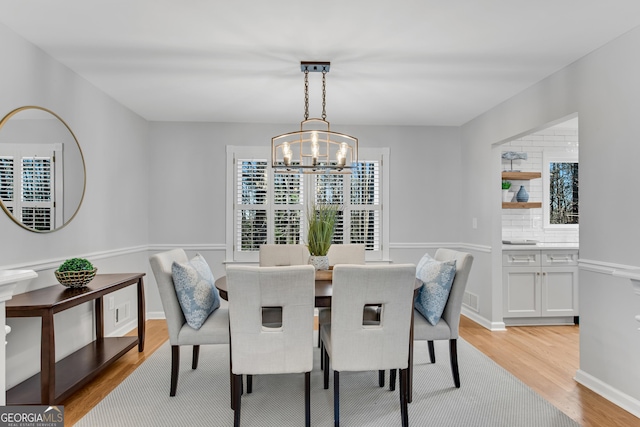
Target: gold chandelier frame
x=315 y=148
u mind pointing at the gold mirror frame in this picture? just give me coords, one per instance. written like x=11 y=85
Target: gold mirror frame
x=80 y=157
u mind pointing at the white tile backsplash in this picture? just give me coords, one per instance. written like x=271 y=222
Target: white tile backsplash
x=529 y=223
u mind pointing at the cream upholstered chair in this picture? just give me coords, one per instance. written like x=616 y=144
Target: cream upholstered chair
x=447 y=326
x=352 y=345
x=343 y=254
x=282 y=255
x=257 y=349
x=215 y=329
x=279 y=255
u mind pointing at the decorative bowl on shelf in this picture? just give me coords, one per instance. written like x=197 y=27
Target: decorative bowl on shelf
x=75 y=279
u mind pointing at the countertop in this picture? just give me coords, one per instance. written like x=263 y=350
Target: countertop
x=541 y=245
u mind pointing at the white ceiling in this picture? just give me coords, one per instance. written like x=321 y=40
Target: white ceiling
x=406 y=62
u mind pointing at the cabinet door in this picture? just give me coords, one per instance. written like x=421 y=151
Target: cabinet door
x=559 y=291
x=521 y=297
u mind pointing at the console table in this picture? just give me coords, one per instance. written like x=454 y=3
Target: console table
x=57 y=381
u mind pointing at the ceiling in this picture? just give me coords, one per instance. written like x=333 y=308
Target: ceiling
x=402 y=62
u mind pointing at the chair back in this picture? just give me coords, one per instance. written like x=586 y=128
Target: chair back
x=161 y=267
x=257 y=349
x=346 y=254
x=356 y=346
x=453 y=308
x=283 y=255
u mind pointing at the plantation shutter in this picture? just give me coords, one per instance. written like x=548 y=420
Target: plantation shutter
x=251 y=204
x=270 y=207
x=7 y=182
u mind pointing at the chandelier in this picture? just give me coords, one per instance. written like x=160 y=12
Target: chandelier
x=314 y=148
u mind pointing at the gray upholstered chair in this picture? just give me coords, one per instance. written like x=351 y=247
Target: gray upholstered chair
x=352 y=345
x=215 y=329
x=282 y=255
x=257 y=349
x=447 y=326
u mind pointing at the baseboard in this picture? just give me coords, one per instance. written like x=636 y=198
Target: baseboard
x=492 y=326
x=617 y=397
x=125 y=328
x=155 y=315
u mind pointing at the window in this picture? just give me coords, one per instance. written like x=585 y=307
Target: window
x=27 y=183
x=561 y=183
x=268 y=207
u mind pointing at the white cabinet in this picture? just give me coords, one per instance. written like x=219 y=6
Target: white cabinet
x=540 y=284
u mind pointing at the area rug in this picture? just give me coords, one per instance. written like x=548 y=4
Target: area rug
x=489 y=396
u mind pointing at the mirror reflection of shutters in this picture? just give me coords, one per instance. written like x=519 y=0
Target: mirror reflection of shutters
x=37 y=201
x=7 y=182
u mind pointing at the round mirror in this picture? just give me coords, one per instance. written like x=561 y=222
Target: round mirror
x=42 y=171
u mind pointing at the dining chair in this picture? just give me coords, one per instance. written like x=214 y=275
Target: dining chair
x=256 y=347
x=279 y=255
x=447 y=326
x=214 y=330
x=352 y=253
x=352 y=345
x=274 y=255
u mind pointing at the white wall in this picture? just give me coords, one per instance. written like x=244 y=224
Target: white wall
x=111 y=226
x=603 y=89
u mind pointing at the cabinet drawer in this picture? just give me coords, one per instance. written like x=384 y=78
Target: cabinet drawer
x=520 y=258
x=559 y=257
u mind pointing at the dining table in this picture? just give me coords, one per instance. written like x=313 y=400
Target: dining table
x=323 y=293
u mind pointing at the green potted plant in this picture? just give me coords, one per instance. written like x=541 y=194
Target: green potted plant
x=75 y=272
x=321 y=221
x=506 y=195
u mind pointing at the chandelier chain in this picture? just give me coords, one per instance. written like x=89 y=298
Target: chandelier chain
x=324 y=95
x=306 y=94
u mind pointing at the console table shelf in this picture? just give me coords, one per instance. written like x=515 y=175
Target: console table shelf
x=56 y=381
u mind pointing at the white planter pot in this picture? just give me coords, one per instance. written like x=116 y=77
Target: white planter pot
x=319 y=262
x=507 y=196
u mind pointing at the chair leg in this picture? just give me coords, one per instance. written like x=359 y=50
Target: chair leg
x=453 y=354
x=432 y=352
x=196 y=354
x=307 y=399
x=325 y=371
x=404 y=412
x=336 y=398
x=321 y=353
x=392 y=380
x=381 y=378
x=249 y=384
x=237 y=386
x=175 y=368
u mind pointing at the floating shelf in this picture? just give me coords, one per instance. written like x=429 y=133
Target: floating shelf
x=521 y=205
x=521 y=175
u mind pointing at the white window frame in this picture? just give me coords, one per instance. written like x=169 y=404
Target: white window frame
x=554 y=156
x=260 y=153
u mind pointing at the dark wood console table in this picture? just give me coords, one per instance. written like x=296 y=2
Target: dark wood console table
x=57 y=381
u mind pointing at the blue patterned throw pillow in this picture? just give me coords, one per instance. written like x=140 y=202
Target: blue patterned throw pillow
x=195 y=289
x=437 y=278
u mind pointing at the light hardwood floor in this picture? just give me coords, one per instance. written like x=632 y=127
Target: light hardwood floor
x=544 y=358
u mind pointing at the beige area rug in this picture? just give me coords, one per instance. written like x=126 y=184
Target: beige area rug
x=489 y=396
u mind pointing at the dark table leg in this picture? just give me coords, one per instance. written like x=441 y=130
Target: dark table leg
x=99 y=310
x=47 y=360
x=141 y=315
